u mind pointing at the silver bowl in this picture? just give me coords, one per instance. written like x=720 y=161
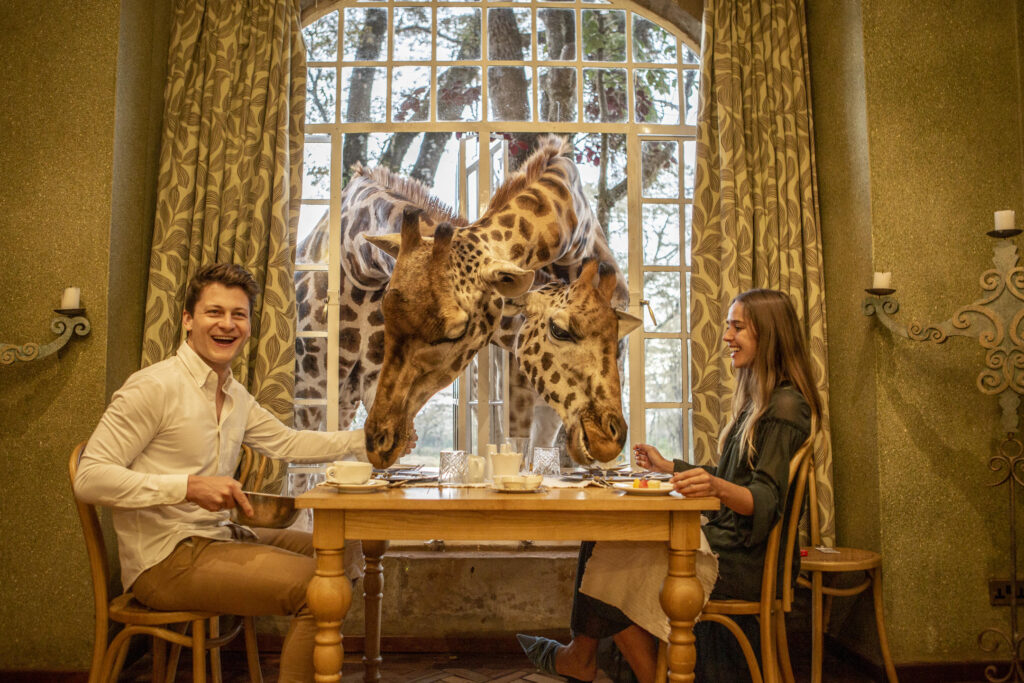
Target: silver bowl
x=268 y=510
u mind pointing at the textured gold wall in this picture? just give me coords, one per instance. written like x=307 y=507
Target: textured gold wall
x=917 y=117
x=82 y=84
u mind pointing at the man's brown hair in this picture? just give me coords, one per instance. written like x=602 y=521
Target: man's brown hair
x=226 y=274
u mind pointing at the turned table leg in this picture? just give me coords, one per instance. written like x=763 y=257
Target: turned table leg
x=682 y=596
x=329 y=593
x=373 y=593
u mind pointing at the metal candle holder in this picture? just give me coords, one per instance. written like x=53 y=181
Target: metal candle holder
x=70 y=321
x=996 y=320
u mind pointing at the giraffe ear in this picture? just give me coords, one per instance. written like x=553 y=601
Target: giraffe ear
x=627 y=323
x=508 y=279
x=389 y=243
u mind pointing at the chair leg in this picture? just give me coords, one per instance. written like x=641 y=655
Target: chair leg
x=199 y=651
x=782 y=647
x=769 y=655
x=252 y=650
x=215 y=669
x=159 y=660
x=741 y=638
x=175 y=655
x=883 y=640
x=661 y=673
x=113 y=660
x=817 y=628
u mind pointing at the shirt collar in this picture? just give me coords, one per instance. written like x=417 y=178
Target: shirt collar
x=198 y=369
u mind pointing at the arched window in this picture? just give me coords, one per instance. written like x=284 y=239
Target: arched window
x=417 y=85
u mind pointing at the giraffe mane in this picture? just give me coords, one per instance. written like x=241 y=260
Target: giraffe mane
x=548 y=148
x=414 y=191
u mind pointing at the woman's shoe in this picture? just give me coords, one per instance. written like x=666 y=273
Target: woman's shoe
x=541 y=653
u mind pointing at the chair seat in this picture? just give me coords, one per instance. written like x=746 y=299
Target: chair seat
x=844 y=560
x=732 y=607
x=127 y=610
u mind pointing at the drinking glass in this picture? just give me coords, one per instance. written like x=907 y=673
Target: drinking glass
x=452 y=468
x=546 y=461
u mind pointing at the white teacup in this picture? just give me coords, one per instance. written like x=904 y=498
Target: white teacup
x=349 y=472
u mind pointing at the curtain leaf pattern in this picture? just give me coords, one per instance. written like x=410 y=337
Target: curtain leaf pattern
x=755 y=212
x=229 y=185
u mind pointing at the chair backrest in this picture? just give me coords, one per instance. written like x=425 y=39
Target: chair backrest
x=783 y=536
x=94 y=543
x=812 y=501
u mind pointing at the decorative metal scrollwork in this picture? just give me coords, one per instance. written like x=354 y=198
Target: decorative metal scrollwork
x=64 y=327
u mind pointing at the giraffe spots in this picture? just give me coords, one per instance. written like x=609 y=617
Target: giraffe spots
x=556 y=377
x=375 y=352
x=569 y=400
x=376 y=295
x=516 y=252
x=347 y=313
x=348 y=339
x=358 y=295
x=555 y=398
x=546 y=361
x=554 y=185
x=539 y=385
x=507 y=220
x=376 y=318
x=456 y=365
x=310 y=366
x=525 y=230
x=496 y=235
x=543 y=252
x=361 y=222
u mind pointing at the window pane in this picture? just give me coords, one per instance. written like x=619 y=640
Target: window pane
x=663 y=370
x=661 y=234
x=691 y=92
x=509 y=33
x=604 y=35
x=511 y=92
x=659 y=168
x=651 y=43
x=366 y=34
x=556 y=34
x=458 y=93
x=312 y=218
x=689 y=56
x=688 y=231
x=321 y=93
x=311 y=286
x=412 y=33
x=690 y=161
x=363 y=94
x=604 y=95
x=657 y=95
x=316 y=170
x=665 y=431
x=458 y=33
x=557 y=93
x=686 y=307
x=322 y=39
x=662 y=293
x=410 y=93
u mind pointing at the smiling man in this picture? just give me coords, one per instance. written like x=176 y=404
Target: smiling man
x=163 y=456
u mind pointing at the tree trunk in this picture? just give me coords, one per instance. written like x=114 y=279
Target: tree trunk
x=360 y=88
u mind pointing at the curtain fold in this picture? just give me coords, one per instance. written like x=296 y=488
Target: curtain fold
x=755 y=210
x=230 y=182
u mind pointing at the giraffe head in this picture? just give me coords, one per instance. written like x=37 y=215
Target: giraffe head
x=567 y=347
x=441 y=305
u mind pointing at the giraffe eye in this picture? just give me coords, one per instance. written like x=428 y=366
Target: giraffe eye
x=559 y=333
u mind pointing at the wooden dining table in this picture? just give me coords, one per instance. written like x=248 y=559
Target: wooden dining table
x=483 y=514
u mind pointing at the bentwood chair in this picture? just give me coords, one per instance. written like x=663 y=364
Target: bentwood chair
x=817 y=564
x=163 y=627
x=776 y=589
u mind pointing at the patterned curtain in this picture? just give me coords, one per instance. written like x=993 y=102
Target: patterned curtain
x=230 y=183
x=755 y=212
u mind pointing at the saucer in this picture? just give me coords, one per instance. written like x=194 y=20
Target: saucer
x=502 y=489
x=367 y=487
x=629 y=490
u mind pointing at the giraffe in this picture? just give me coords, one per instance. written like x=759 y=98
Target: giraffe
x=446 y=295
x=371 y=202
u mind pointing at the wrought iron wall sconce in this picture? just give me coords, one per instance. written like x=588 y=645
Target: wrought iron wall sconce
x=71 y=321
x=996 y=320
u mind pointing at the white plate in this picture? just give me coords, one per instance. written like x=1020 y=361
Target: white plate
x=501 y=489
x=628 y=488
x=372 y=485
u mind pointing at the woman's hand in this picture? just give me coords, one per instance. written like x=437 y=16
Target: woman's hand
x=648 y=457
x=696 y=483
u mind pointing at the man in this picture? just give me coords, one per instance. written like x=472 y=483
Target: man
x=163 y=456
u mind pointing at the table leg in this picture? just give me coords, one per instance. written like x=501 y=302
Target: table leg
x=682 y=596
x=329 y=593
x=373 y=592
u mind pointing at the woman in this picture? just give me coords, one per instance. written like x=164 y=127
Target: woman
x=774 y=407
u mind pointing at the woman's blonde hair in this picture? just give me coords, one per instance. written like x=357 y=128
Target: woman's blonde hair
x=781 y=355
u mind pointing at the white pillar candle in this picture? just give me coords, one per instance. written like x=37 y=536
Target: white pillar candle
x=71 y=298
x=1005 y=220
x=882 y=281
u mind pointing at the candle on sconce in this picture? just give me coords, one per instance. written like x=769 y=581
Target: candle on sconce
x=882 y=281
x=72 y=298
x=1005 y=220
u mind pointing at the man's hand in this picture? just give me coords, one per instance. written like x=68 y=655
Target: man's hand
x=216 y=493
